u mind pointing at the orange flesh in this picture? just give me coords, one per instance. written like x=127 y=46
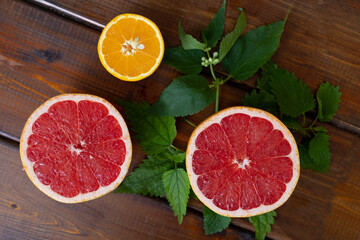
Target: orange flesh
x=133 y=64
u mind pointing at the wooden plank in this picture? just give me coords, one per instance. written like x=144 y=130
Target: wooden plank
x=321 y=203
x=320 y=42
x=323 y=206
x=59 y=56
x=26 y=213
x=47 y=63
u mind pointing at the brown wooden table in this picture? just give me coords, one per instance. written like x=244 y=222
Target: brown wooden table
x=49 y=47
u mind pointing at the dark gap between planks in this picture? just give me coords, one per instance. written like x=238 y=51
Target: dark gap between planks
x=12 y=142
x=52 y=8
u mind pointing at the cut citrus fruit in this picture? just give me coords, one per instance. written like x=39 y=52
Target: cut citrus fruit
x=242 y=162
x=131 y=47
x=76 y=147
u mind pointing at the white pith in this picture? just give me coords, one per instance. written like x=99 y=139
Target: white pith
x=216 y=118
x=136 y=45
x=28 y=165
x=130 y=47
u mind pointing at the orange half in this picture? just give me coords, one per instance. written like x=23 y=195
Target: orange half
x=131 y=47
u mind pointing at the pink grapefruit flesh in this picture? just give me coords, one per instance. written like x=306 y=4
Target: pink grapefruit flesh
x=242 y=162
x=76 y=147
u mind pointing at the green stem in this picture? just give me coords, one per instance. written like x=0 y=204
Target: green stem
x=188 y=122
x=306 y=134
x=225 y=80
x=304 y=119
x=175 y=148
x=217 y=96
x=312 y=124
x=211 y=67
x=217 y=84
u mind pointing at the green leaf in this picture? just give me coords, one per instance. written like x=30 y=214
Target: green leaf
x=155 y=133
x=185 y=61
x=328 y=98
x=253 y=50
x=261 y=100
x=268 y=70
x=229 y=40
x=319 y=151
x=320 y=129
x=294 y=125
x=177 y=188
x=192 y=194
x=188 y=41
x=186 y=95
x=173 y=155
x=203 y=36
x=262 y=224
x=294 y=97
x=305 y=161
x=146 y=179
x=214 y=222
x=216 y=28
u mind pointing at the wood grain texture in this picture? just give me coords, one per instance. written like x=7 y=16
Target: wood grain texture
x=26 y=213
x=323 y=206
x=320 y=42
x=42 y=55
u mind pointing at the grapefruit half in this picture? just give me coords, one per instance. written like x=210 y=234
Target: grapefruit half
x=76 y=147
x=242 y=162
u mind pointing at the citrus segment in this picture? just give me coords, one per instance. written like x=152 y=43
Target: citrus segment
x=76 y=147
x=131 y=47
x=242 y=162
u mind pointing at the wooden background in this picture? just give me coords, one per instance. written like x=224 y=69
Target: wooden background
x=49 y=47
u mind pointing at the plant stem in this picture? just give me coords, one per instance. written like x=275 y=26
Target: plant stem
x=217 y=96
x=312 y=124
x=225 y=80
x=211 y=67
x=175 y=148
x=304 y=119
x=217 y=84
x=188 y=122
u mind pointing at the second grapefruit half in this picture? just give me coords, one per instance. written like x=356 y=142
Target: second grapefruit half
x=242 y=162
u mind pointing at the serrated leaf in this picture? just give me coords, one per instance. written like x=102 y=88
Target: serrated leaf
x=268 y=70
x=214 y=222
x=216 y=27
x=320 y=129
x=146 y=179
x=305 y=160
x=203 y=37
x=229 y=40
x=262 y=224
x=185 y=61
x=294 y=125
x=319 y=151
x=253 y=50
x=291 y=123
x=261 y=100
x=294 y=96
x=186 y=95
x=177 y=188
x=155 y=133
x=328 y=101
x=189 y=42
x=173 y=155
